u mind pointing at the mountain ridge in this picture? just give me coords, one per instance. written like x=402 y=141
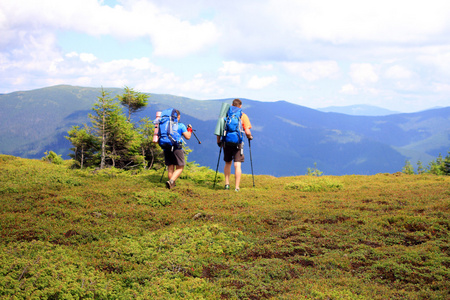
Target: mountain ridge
x=289 y=138
x=359 y=110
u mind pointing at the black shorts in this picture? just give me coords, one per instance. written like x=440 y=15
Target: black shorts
x=233 y=153
x=175 y=157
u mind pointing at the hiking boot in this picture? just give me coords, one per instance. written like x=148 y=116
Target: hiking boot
x=170 y=184
x=227 y=186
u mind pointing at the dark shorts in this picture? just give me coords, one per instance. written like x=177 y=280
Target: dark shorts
x=174 y=158
x=233 y=153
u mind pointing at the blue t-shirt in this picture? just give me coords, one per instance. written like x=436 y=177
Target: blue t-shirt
x=181 y=128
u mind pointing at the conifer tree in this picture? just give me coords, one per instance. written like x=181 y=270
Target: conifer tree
x=103 y=109
x=133 y=101
x=420 y=168
x=447 y=164
x=436 y=167
x=123 y=141
x=84 y=144
x=408 y=168
x=149 y=150
x=112 y=139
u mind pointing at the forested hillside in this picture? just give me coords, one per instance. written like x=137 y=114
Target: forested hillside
x=288 y=138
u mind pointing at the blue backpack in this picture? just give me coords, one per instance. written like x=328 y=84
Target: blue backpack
x=169 y=137
x=234 y=133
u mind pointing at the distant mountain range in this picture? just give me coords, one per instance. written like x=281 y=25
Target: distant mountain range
x=359 y=110
x=288 y=138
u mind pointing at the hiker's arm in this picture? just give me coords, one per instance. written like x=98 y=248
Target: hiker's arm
x=247 y=125
x=188 y=133
x=248 y=133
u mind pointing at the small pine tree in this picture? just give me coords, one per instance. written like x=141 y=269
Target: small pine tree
x=103 y=109
x=420 y=168
x=133 y=101
x=314 y=172
x=446 y=166
x=122 y=141
x=84 y=143
x=53 y=158
x=437 y=167
x=150 y=151
x=408 y=168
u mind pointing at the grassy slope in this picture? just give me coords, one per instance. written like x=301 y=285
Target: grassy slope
x=113 y=235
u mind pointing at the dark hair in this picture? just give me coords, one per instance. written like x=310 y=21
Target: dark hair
x=178 y=112
x=237 y=102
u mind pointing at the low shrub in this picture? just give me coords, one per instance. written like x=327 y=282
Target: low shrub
x=200 y=175
x=155 y=198
x=113 y=234
x=53 y=158
x=315 y=184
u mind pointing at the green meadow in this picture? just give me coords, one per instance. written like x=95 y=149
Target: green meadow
x=113 y=234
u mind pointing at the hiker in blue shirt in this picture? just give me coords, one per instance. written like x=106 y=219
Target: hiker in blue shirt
x=174 y=158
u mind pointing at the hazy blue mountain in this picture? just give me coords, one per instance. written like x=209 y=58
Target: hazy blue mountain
x=288 y=138
x=359 y=110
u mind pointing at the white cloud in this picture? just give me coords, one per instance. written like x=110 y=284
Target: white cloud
x=171 y=37
x=363 y=74
x=292 y=30
x=351 y=20
x=174 y=38
x=162 y=82
x=238 y=46
x=313 y=70
x=23 y=63
x=230 y=79
x=201 y=85
x=122 y=65
x=258 y=83
x=441 y=87
x=87 y=57
x=373 y=91
x=349 y=89
x=233 y=67
x=398 y=72
x=438 y=57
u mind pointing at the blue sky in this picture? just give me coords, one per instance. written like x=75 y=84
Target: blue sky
x=393 y=54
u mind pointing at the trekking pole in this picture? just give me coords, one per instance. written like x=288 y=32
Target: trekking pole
x=163 y=174
x=217 y=168
x=193 y=131
x=251 y=161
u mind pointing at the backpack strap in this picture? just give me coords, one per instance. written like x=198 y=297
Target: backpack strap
x=174 y=115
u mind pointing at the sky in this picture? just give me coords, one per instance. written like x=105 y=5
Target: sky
x=393 y=54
